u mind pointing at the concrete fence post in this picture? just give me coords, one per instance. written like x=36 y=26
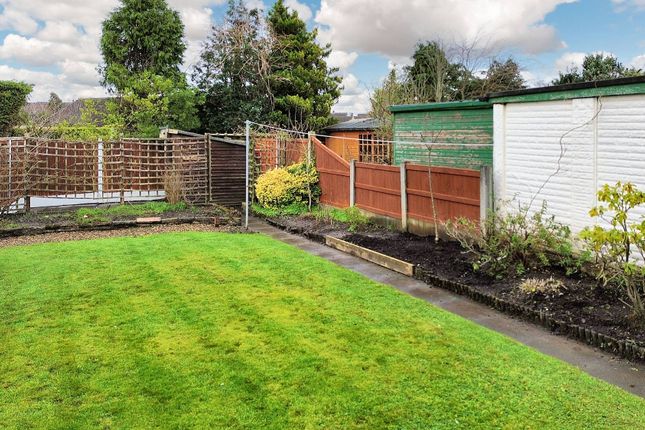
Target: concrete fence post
x=310 y=136
x=352 y=183
x=485 y=192
x=404 y=196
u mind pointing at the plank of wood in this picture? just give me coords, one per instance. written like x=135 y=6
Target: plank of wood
x=372 y=256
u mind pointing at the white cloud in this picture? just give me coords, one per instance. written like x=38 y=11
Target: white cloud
x=255 y=4
x=45 y=83
x=341 y=59
x=304 y=12
x=621 y=5
x=569 y=60
x=355 y=97
x=393 y=27
x=638 y=62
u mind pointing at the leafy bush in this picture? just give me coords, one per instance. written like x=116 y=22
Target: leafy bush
x=296 y=184
x=549 y=286
x=615 y=245
x=290 y=210
x=514 y=242
x=13 y=96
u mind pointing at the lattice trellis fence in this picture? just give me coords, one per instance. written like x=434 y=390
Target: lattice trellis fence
x=127 y=169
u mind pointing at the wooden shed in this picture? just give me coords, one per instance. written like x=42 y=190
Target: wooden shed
x=464 y=128
x=356 y=140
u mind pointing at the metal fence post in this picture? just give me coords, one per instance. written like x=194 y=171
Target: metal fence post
x=309 y=145
x=246 y=194
x=352 y=183
x=485 y=193
x=404 y=196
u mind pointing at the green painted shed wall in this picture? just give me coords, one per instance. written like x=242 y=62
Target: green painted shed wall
x=463 y=127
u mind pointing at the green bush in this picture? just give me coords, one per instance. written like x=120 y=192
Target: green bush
x=351 y=216
x=13 y=96
x=513 y=242
x=282 y=187
x=615 y=244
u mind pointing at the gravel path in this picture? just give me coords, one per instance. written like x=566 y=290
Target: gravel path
x=99 y=234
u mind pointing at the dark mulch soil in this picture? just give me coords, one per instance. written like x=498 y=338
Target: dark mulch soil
x=583 y=303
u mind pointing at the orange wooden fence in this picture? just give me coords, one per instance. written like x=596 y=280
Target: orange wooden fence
x=334 y=176
x=377 y=188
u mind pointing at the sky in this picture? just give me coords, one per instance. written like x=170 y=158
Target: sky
x=54 y=44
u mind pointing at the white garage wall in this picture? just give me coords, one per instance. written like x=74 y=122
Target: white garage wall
x=601 y=140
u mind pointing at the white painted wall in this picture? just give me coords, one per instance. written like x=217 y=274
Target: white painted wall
x=602 y=141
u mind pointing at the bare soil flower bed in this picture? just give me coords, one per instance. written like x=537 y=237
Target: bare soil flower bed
x=581 y=305
x=112 y=216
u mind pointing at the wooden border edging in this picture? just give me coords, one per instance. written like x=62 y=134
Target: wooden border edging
x=372 y=256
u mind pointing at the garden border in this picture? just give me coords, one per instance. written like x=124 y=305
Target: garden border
x=621 y=348
x=113 y=225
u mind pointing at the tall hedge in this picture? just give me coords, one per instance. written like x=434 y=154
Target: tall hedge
x=13 y=96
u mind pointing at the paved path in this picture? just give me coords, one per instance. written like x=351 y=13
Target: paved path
x=627 y=375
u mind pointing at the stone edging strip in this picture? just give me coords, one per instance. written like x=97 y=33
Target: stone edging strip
x=625 y=349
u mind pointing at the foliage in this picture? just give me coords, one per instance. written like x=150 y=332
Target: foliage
x=141 y=36
x=432 y=72
x=615 y=243
x=104 y=124
x=351 y=216
x=151 y=101
x=233 y=71
x=293 y=209
x=512 y=242
x=502 y=76
x=303 y=88
x=173 y=186
x=13 y=96
x=281 y=187
x=213 y=330
x=142 y=46
x=596 y=67
x=546 y=287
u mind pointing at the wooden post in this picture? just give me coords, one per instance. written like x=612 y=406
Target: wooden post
x=209 y=183
x=122 y=191
x=485 y=193
x=310 y=136
x=404 y=196
x=352 y=183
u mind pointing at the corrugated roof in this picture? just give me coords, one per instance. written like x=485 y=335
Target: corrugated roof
x=357 y=124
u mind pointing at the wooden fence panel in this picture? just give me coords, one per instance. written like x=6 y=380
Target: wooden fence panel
x=334 y=176
x=456 y=193
x=378 y=189
x=228 y=171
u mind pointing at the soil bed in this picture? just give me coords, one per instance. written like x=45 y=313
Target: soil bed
x=111 y=216
x=581 y=305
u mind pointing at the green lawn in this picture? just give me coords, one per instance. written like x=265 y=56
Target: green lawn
x=211 y=330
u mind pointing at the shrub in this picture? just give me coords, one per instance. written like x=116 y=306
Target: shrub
x=615 y=244
x=547 y=287
x=515 y=241
x=173 y=186
x=13 y=96
x=351 y=216
x=296 y=184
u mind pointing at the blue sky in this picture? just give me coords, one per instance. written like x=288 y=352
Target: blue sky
x=54 y=45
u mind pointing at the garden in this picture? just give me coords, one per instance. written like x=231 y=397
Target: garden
x=229 y=330
x=589 y=286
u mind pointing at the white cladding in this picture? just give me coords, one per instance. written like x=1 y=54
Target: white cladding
x=561 y=152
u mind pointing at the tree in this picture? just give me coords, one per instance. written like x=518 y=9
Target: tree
x=13 y=96
x=596 y=67
x=142 y=46
x=502 y=76
x=433 y=74
x=303 y=88
x=141 y=36
x=233 y=71
x=55 y=103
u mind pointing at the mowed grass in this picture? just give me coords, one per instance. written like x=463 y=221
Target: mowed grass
x=208 y=330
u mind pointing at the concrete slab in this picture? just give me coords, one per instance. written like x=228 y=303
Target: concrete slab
x=622 y=373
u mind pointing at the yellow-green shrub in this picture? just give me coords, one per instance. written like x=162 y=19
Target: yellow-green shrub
x=288 y=185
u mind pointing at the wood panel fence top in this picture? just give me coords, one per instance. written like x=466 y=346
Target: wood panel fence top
x=334 y=176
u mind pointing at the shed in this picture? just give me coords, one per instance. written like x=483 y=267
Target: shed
x=356 y=139
x=560 y=144
x=465 y=129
